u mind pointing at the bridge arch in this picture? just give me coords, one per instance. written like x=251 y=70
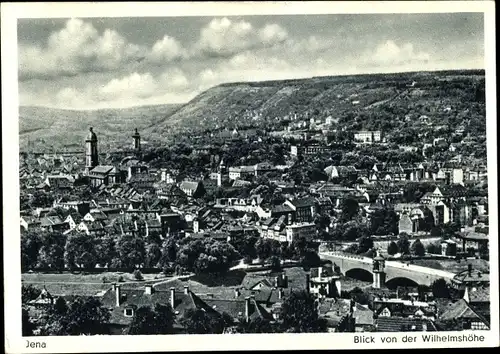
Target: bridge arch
x=393 y=283
x=359 y=274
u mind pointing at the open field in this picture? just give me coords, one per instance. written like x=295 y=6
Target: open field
x=84 y=284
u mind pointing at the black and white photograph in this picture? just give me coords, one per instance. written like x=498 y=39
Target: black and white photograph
x=192 y=174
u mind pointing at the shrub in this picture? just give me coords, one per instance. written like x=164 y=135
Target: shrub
x=392 y=249
x=121 y=279
x=138 y=275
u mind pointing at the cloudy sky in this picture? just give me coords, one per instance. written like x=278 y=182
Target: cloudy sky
x=87 y=63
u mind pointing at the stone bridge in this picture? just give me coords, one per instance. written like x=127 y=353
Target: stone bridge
x=395 y=271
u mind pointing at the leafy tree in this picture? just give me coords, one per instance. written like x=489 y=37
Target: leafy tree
x=153 y=255
x=299 y=314
x=84 y=316
x=417 y=248
x=350 y=231
x=52 y=251
x=434 y=248
x=358 y=295
x=154 y=237
x=350 y=209
x=322 y=221
x=245 y=245
x=317 y=174
x=160 y=320
x=422 y=291
x=259 y=325
x=206 y=256
x=30 y=248
x=267 y=247
x=392 y=249
x=310 y=259
x=365 y=243
x=29 y=292
x=384 y=222
x=352 y=248
x=275 y=263
x=197 y=321
x=299 y=247
x=80 y=251
x=131 y=250
x=138 y=275
x=27 y=326
x=168 y=252
x=52 y=257
x=414 y=191
x=440 y=289
x=105 y=251
x=403 y=244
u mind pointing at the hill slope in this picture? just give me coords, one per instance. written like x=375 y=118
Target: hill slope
x=41 y=127
x=343 y=97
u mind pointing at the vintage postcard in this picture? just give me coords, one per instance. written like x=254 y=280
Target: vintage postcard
x=249 y=176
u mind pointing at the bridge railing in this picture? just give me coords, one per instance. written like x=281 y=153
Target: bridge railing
x=420 y=269
x=346 y=255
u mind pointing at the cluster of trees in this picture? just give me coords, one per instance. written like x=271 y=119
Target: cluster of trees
x=273 y=251
x=384 y=222
x=206 y=255
x=364 y=246
x=350 y=231
x=81 y=316
x=405 y=247
x=56 y=251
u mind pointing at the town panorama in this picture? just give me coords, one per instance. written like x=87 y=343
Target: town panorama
x=264 y=202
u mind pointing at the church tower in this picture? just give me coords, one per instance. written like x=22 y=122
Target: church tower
x=91 y=155
x=137 y=141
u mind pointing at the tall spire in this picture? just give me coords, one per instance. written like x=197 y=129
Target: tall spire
x=137 y=140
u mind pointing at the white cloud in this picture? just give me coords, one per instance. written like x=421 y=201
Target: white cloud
x=272 y=33
x=78 y=47
x=174 y=78
x=389 y=53
x=224 y=38
x=166 y=49
x=172 y=85
x=134 y=85
x=208 y=75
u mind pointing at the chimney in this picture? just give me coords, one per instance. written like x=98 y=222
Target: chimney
x=307 y=282
x=320 y=269
x=148 y=289
x=236 y=293
x=172 y=297
x=280 y=293
x=278 y=281
x=247 y=308
x=469 y=269
x=117 y=294
x=186 y=289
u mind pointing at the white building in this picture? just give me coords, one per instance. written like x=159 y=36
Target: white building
x=368 y=136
